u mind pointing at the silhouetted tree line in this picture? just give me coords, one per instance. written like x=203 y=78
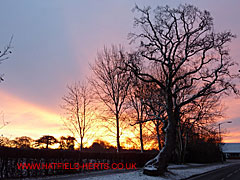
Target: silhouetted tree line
x=203 y=150
x=43 y=142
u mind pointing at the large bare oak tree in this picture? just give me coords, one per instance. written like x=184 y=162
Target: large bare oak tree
x=182 y=44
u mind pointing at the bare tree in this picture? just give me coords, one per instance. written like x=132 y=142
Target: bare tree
x=78 y=110
x=155 y=111
x=4 y=55
x=199 y=116
x=182 y=43
x=67 y=142
x=111 y=84
x=136 y=101
x=146 y=100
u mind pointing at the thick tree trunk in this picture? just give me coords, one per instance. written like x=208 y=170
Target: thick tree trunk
x=81 y=144
x=179 y=149
x=158 y=136
x=184 y=149
x=118 y=136
x=159 y=164
x=141 y=138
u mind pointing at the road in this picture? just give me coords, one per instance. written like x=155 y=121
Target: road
x=231 y=172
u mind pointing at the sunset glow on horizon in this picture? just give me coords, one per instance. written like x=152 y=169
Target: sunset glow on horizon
x=34 y=121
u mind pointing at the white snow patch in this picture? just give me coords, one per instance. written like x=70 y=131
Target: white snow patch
x=151 y=168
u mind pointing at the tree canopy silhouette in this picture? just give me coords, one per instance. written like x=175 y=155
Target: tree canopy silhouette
x=46 y=140
x=191 y=59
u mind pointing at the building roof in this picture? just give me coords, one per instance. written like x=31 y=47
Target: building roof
x=231 y=148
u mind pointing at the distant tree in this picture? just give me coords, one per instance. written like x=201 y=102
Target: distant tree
x=203 y=150
x=111 y=84
x=150 y=105
x=46 y=140
x=138 y=107
x=70 y=141
x=97 y=147
x=155 y=111
x=67 y=143
x=23 y=142
x=198 y=118
x=62 y=143
x=4 y=141
x=191 y=57
x=100 y=146
x=78 y=109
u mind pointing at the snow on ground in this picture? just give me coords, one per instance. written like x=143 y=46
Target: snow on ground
x=173 y=174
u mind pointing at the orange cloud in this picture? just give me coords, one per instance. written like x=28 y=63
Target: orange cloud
x=232 y=137
x=27 y=118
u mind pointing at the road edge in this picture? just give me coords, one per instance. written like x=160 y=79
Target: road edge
x=207 y=172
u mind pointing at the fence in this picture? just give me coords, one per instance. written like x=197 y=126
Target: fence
x=24 y=163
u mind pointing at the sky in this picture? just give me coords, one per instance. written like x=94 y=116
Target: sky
x=53 y=44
